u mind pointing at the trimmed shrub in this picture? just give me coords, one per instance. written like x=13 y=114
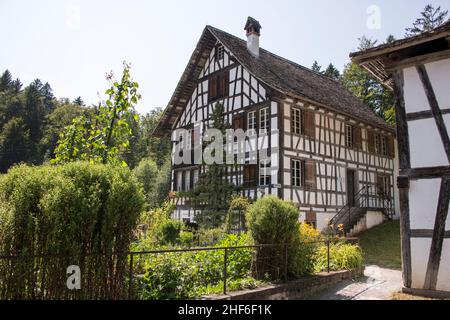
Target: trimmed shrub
x=275 y=222
x=76 y=210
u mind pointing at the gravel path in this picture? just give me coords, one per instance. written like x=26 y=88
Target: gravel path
x=377 y=284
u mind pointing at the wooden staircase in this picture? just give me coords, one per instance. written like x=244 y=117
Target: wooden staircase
x=365 y=200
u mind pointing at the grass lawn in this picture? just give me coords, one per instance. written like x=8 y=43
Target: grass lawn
x=381 y=245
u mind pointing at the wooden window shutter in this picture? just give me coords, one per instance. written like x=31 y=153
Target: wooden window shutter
x=249 y=175
x=310 y=174
x=212 y=88
x=358 y=137
x=238 y=122
x=391 y=147
x=310 y=128
x=225 y=84
x=371 y=141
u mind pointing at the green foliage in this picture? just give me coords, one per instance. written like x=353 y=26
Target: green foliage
x=75 y=210
x=168 y=232
x=304 y=247
x=430 y=18
x=213 y=191
x=343 y=256
x=236 y=213
x=102 y=139
x=146 y=172
x=273 y=221
x=192 y=274
x=210 y=236
x=332 y=72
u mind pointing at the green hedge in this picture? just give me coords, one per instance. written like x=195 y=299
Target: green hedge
x=75 y=209
x=343 y=256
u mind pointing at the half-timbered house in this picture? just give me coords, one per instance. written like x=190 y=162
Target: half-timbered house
x=327 y=151
x=417 y=69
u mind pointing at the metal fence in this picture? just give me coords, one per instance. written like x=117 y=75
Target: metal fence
x=267 y=260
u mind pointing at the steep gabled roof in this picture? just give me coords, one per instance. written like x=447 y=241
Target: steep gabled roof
x=280 y=74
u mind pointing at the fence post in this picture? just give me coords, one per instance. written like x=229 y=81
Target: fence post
x=286 y=262
x=328 y=255
x=225 y=256
x=130 y=285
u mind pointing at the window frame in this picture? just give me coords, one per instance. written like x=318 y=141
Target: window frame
x=298 y=181
x=264 y=175
x=264 y=122
x=298 y=125
x=349 y=135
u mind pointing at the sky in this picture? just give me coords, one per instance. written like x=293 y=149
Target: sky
x=73 y=44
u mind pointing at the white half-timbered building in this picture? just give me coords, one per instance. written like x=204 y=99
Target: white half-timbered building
x=417 y=69
x=326 y=150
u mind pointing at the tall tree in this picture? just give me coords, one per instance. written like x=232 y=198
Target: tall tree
x=78 y=101
x=102 y=139
x=316 y=67
x=332 y=72
x=14 y=144
x=364 y=86
x=213 y=190
x=5 y=80
x=430 y=18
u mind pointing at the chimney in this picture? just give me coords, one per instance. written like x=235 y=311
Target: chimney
x=253 y=32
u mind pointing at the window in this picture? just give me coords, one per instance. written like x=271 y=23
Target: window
x=298 y=124
x=251 y=121
x=371 y=141
x=195 y=174
x=383 y=185
x=179 y=181
x=303 y=173
x=249 y=175
x=349 y=136
x=187 y=181
x=297 y=170
x=264 y=172
x=264 y=120
x=220 y=52
x=218 y=86
x=377 y=144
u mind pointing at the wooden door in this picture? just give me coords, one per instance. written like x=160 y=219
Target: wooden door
x=351 y=187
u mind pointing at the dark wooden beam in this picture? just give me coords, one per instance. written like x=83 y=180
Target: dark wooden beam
x=426 y=233
x=435 y=110
x=437 y=241
x=402 y=124
x=413 y=116
x=403 y=187
x=426 y=173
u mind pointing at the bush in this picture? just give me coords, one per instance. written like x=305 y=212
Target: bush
x=168 y=232
x=275 y=222
x=304 y=249
x=75 y=210
x=209 y=237
x=192 y=274
x=343 y=256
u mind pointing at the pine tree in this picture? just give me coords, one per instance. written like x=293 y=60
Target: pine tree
x=79 y=101
x=14 y=144
x=213 y=191
x=316 y=67
x=430 y=18
x=390 y=39
x=332 y=72
x=5 y=80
